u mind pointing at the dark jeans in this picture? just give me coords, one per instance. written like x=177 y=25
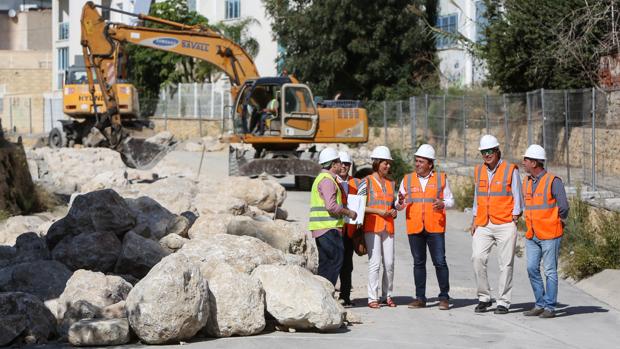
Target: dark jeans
x=331 y=253
x=347 y=268
x=437 y=247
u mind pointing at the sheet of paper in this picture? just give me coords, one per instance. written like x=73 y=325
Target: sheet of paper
x=356 y=203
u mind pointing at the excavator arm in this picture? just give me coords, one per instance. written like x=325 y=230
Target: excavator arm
x=101 y=42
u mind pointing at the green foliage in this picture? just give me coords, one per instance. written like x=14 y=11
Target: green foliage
x=400 y=166
x=531 y=44
x=368 y=49
x=464 y=194
x=591 y=242
x=4 y=215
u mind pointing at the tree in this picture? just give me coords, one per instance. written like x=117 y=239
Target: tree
x=367 y=49
x=151 y=69
x=554 y=44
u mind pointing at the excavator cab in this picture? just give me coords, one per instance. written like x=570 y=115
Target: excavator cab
x=296 y=115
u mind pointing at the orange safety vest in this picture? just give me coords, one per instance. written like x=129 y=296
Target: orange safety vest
x=382 y=199
x=420 y=212
x=542 y=214
x=495 y=204
x=354 y=184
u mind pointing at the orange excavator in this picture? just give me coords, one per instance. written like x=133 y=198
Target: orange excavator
x=281 y=111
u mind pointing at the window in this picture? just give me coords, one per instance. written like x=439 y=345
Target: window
x=446 y=24
x=233 y=9
x=481 y=20
x=298 y=100
x=63 y=64
x=63 y=31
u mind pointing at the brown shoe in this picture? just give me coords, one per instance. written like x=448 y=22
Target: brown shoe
x=416 y=304
x=444 y=304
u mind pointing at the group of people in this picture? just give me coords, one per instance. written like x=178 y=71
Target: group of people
x=500 y=199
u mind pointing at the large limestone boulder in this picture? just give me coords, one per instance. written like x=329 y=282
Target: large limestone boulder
x=102 y=211
x=243 y=253
x=97 y=251
x=215 y=202
x=94 y=288
x=174 y=193
x=138 y=255
x=236 y=303
x=172 y=242
x=171 y=303
x=24 y=316
x=17 y=225
x=298 y=299
x=99 y=332
x=45 y=279
x=266 y=194
x=279 y=234
x=212 y=224
x=116 y=180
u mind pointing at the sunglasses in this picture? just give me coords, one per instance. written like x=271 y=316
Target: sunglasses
x=488 y=151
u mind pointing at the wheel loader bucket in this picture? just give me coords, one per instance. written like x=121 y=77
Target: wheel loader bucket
x=143 y=155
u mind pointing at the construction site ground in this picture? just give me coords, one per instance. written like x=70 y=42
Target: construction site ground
x=582 y=321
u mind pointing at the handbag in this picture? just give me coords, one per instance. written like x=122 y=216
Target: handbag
x=359 y=243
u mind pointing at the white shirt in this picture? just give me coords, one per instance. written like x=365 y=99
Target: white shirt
x=448 y=198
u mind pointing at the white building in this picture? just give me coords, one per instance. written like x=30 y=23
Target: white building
x=233 y=10
x=458 y=67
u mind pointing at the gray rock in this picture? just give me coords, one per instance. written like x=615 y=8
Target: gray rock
x=96 y=289
x=243 y=253
x=99 y=332
x=265 y=194
x=278 y=234
x=236 y=303
x=211 y=224
x=150 y=214
x=97 y=251
x=215 y=202
x=179 y=225
x=75 y=312
x=102 y=211
x=170 y=303
x=40 y=324
x=45 y=279
x=7 y=253
x=298 y=299
x=30 y=247
x=138 y=255
x=115 y=311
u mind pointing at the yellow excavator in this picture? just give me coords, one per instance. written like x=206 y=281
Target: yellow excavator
x=282 y=110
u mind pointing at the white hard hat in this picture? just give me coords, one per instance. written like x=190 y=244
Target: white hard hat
x=426 y=151
x=344 y=156
x=488 y=142
x=327 y=155
x=381 y=152
x=535 y=151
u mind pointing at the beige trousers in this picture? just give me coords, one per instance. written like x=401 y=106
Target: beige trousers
x=380 y=252
x=505 y=237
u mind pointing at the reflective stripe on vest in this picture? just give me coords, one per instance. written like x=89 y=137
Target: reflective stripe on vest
x=420 y=213
x=380 y=198
x=319 y=216
x=497 y=203
x=542 y=215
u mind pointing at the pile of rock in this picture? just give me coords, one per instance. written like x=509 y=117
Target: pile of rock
x=114 y=267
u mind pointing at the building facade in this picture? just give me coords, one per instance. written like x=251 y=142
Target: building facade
x=458 y=67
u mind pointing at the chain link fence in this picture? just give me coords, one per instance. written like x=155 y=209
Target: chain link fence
x=582 y=140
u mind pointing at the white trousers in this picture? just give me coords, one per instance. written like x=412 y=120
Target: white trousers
x=505 y=237
x=380 y=250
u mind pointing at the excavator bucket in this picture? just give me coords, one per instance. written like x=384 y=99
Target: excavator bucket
x=143 y=155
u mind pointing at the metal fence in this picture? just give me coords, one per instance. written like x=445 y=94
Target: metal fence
x=201 y=101
x=582 y=140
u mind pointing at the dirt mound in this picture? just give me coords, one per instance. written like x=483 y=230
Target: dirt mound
x=17 y=192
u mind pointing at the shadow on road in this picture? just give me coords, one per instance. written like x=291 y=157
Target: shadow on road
x=561 y=309
x=463 y=302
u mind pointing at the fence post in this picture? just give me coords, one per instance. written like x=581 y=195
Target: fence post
x=196 y=100
x=529 y=118
x=385 y=136
x=426 y=118
x=445 y=140
x=506 y=133
x=400 y=121
x=486 y=112
x=30 y=113
x=222 y=104
x=179 y=98
x=464 y=130
x=542 y=103
x=566 y=139
x=412 y=112
x=593 y=138
x=212 y=100
x=10 y=114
